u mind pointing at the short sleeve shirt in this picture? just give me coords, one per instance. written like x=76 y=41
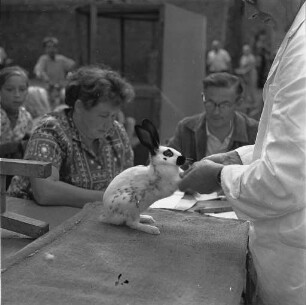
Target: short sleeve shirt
x=57 y=140
x=218 y=61
x=56 y=69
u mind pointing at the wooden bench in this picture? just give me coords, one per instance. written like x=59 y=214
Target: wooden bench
x=12 y=221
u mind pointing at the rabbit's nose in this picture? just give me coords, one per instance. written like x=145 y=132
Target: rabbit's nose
x=180 y=160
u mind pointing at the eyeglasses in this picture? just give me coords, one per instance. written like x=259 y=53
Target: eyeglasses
x=211 y=106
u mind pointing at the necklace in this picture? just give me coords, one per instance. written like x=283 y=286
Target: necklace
x=13 y=117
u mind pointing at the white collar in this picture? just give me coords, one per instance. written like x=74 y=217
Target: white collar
x=209 y=134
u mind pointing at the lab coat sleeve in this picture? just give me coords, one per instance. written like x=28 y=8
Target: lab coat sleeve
x=245 y=153
x=274 y=184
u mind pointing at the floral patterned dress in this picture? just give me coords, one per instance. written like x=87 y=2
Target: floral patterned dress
x=57 y=140
x=23 y=126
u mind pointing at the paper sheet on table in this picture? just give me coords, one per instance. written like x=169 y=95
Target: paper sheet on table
x=202 y=197
x=175 y=202
x=181 y=201
x=231 y=215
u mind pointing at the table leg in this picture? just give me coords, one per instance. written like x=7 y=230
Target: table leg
x=3 y=193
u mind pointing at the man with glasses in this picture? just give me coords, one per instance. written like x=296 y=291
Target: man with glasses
x=220 y=127
x=266 y=183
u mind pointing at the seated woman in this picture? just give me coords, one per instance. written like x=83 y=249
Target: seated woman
x=85 y=144
x=16 y=122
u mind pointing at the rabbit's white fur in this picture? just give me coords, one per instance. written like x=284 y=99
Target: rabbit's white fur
x=135 y=189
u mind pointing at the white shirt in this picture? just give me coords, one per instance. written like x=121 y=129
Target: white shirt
x=218 y=61
x=270 y=188
x=55 y=69
x=214 y=145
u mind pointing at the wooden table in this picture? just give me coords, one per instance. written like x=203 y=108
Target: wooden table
x=53 y=215
x=16 y=222
x=195 y=260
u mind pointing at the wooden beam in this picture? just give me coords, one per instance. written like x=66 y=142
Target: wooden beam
x=25 y=168
x=93 y=32
x=14 y=222
x=24 y=225
x=133 y=17
x=122 y=45
x=121 y=10
x=78 y=32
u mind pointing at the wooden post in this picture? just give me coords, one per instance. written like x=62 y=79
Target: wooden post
x=122 y=45
x=78 y=33
x=3 y=193
x=93 y=33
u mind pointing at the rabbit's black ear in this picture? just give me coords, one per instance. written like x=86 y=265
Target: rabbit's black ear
x=148 y=125
x=146 y=139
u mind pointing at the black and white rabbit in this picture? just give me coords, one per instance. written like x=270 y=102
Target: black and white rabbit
x=136 y=188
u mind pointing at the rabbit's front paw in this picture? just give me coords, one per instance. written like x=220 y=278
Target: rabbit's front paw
x=146 y=219
x=154 y=230
x=144 y=228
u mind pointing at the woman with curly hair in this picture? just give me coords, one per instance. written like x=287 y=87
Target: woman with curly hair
x=85 y=143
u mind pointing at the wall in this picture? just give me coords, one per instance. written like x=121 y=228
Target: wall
x=25 y=23
x=23 y=29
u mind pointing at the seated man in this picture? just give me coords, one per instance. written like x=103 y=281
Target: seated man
x=220 y=127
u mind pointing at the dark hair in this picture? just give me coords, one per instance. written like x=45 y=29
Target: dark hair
x=90 y=83
x=48 y=39
x=8 y=72
x=224 y=80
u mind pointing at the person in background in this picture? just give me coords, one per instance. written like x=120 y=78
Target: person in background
x=85 y=143
x=248 y=71
x=52 y=69
x=4 y=59
x=16 y=122
x=218 y=59
x=220 y=127
x=266 y=183
x=263 y=56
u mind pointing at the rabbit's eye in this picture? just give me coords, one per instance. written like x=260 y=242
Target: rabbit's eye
x=168 y=153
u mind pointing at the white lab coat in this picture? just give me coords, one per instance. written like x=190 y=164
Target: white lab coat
x=270 y=187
